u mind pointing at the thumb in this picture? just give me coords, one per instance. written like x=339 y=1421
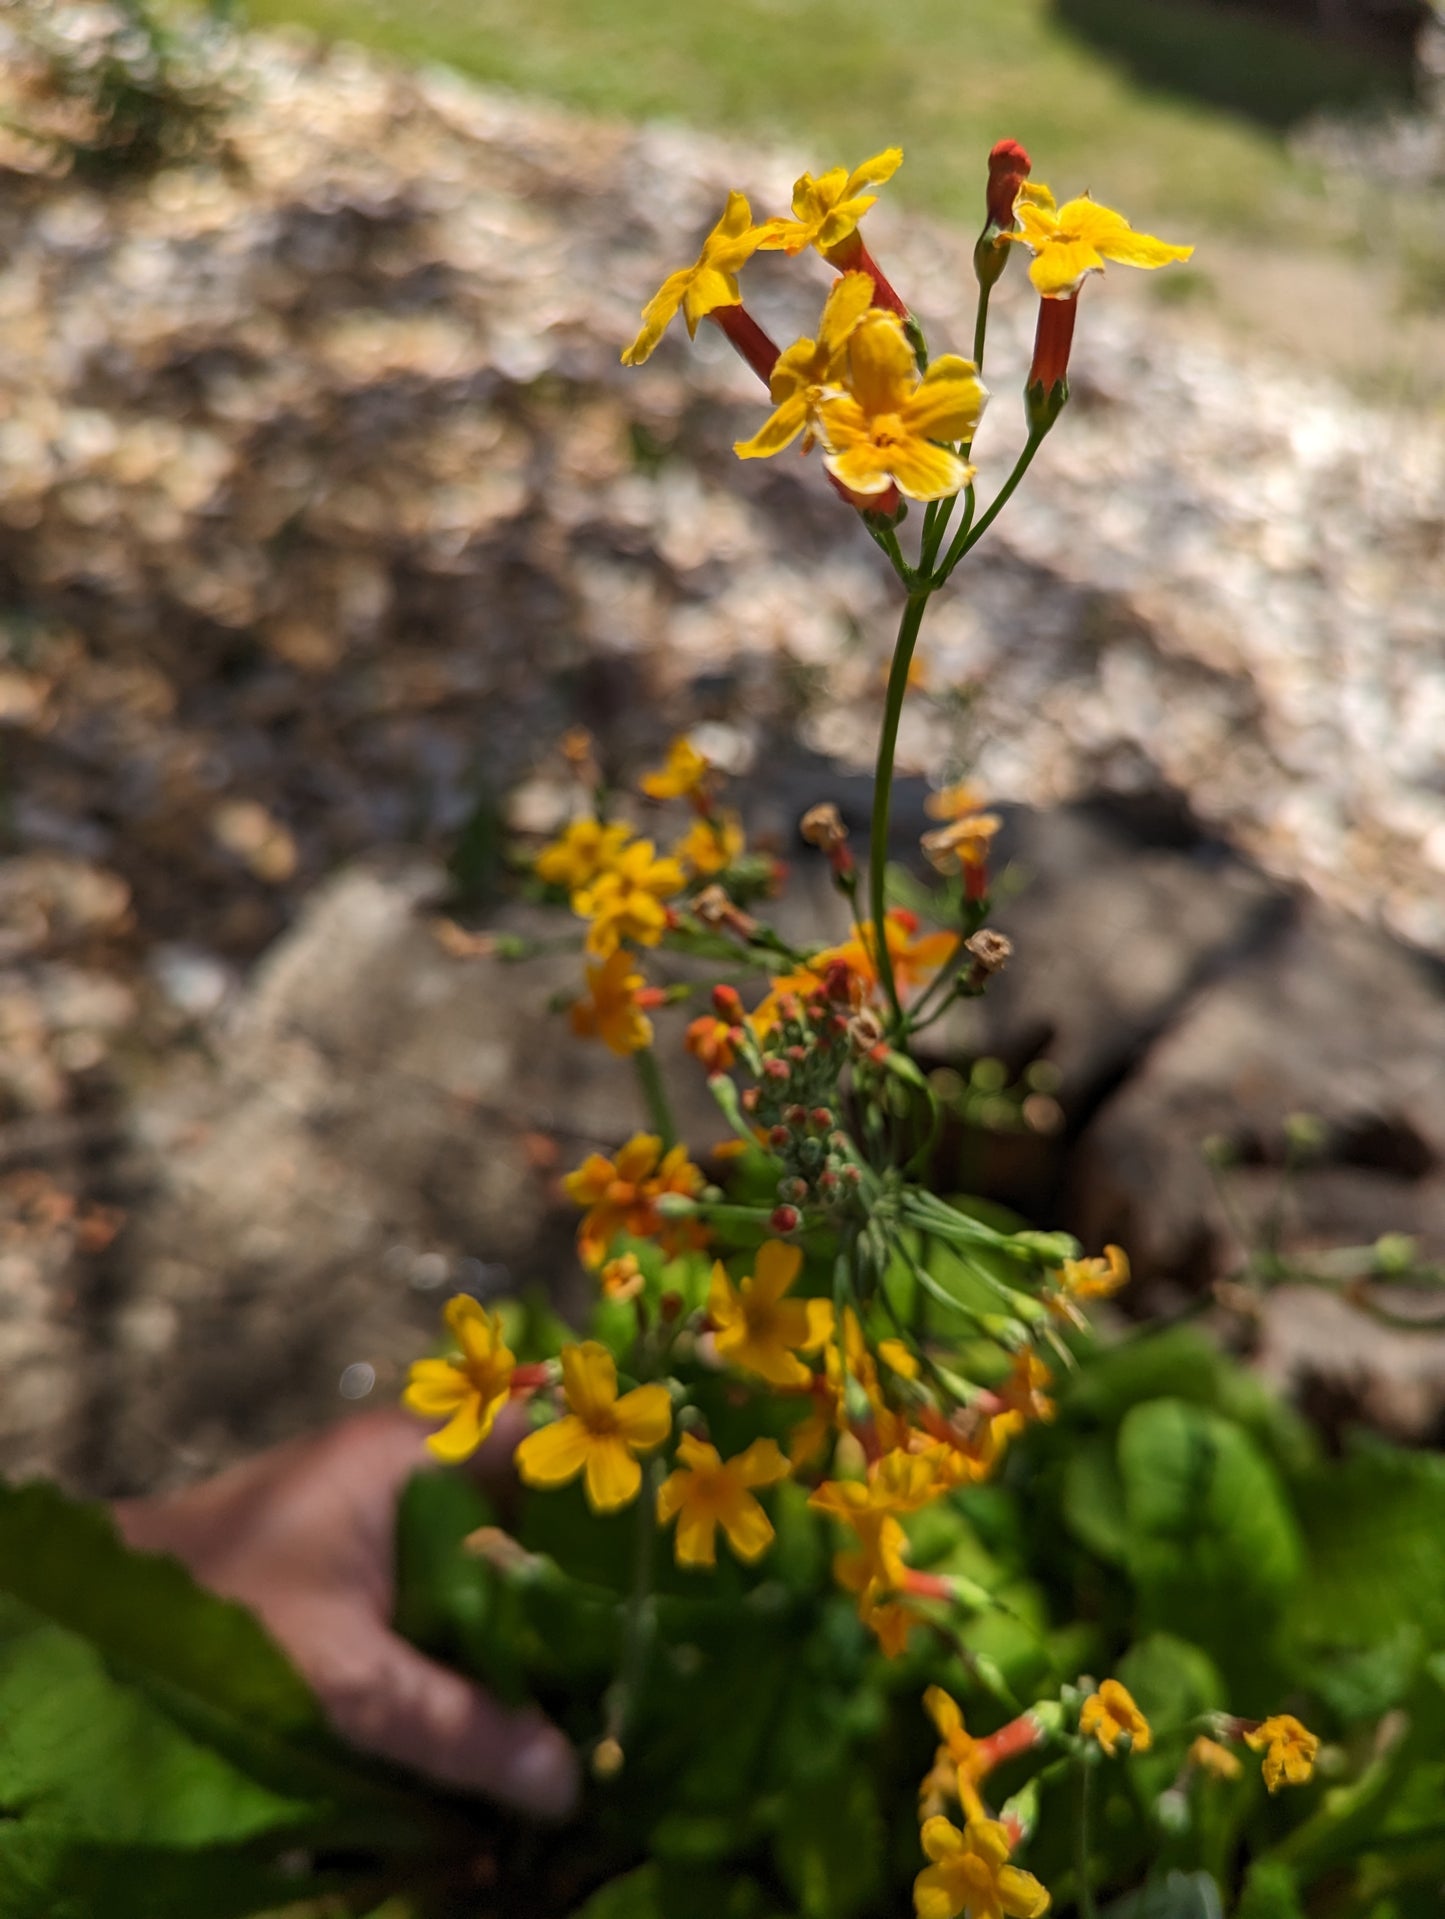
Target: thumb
x=386 y=1697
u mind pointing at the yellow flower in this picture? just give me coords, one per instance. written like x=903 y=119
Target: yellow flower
x=621 y=1196
x=969 y=1760
x=1109 y=1713
x=601 y=1435
x=584 y=850
x=963 y=842
x=1023 y=1395
x=1218 y=1761
x=708 y=1492
x=805 y=369
x=711 y=845
x=1070 y=242
x=827 y=209
x=625 y=901
x=971 y=1875
x=621 y=1279
x=884 y=430
x=952 y=802
x=757 y=1329
x=915 y=957
x=710 y=282
x=684 y=771
x=900 y=1482
x=468 y=1392
x=1289 y=1750
x=610 y=1011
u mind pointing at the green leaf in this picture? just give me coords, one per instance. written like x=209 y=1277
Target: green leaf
x=1375 y=1525
x=1183 y=1895
x=158 y=1754
x=1093 y=1501
x=830 y=1843
x=1270 y=1892
x=636 y=1895
x=1171 y=1680
x=1214 y=1551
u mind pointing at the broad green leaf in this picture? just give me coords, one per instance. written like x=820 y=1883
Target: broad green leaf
x=829 y=1845
x=1375 y=1526
x=1271 y=1891
x=1182 y=1895
x=1214 y=1551
x=636 y=1895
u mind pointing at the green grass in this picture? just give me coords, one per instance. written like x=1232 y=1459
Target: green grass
x=1101 y=103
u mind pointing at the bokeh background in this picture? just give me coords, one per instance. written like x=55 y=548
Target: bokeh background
x=325 y=508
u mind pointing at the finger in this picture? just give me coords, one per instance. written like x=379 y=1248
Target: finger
x=391 y=1700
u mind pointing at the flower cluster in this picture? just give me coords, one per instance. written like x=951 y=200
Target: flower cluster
x=799 y=1330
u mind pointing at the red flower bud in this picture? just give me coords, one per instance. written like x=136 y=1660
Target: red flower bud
x=779 y=1136
x=785 y=1219
x=726 y=1004
x=1008 y=167
x=1052 y=340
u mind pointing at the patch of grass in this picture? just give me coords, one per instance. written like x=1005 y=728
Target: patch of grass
x=841 y=78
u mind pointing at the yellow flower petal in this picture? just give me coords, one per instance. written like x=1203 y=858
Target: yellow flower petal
x=553 y=1454
x=748 y=1528
x=657 y=316
x=435 y=1388
x=778 y=431
x=644 y=1416
x=696 y=1543
x=777 y=1266
x=762 y=1464
x=613 y=1476
x=589 y=1377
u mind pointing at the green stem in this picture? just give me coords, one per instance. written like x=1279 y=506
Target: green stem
x=909 y=626
x=641 y=1623
x=968 y=536
x=654 y=1094
x=980 y=326
x=1087 y=1908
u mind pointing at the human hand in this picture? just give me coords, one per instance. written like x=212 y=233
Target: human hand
x=303 y=1535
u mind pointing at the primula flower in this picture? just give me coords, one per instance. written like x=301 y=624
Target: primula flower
x=712 y=1041
x=1218 y=1761
x=971 y=1875
x=953 y=802
x=710 y=846
x=966 y=1756
x=707 y=1492
x=885 y=429
x=1023 y=1395
x=826 y=210
x=963 y=842
x=1109 y=1713
x=584 y=850
x=621 y=1196
x=610 y=1012
x=900 y=1482
x=709 y=283
x=1289 y=1750
x=1071 y=241
x=760 y=1331
x=621 y=1279
x=683 y=773
x=1079 y=1280
x=624 y=902
x=600 y=1435
x=807 y=369
x=916 y=957
x=469 y=1391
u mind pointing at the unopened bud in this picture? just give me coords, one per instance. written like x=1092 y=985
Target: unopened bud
x=822 y=1118
x=1008 y=167
x=727 y=1004
x=780 y=1136
x=776 y=1068
x=608 y=1758
x=785 y=1219
x=1047 y=389
x=796 y=1115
